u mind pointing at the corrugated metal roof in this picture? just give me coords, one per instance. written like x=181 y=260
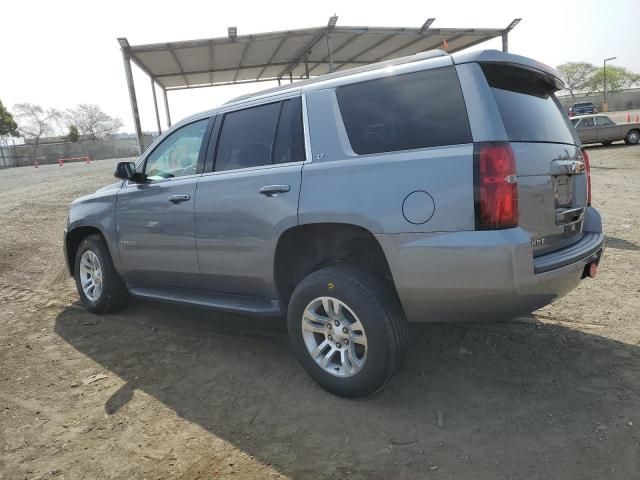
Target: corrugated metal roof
x=274 y=55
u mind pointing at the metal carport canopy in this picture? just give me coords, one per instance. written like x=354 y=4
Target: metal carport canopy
x=290 y=54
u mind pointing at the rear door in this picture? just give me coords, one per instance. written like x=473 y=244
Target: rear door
x=249 y=197
x=587 y=130
x=552 y=183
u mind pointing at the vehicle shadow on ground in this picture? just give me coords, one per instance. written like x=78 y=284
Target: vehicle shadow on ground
x=500 y=400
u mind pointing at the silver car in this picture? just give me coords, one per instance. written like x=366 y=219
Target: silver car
x=601 y=129
x=412 y=190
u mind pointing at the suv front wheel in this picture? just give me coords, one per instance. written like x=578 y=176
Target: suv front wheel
x=100 y=287
x=347 y=329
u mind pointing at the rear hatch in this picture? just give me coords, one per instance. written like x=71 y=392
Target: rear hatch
x=551 y=174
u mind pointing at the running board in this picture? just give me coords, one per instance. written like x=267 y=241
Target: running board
x=224 y=302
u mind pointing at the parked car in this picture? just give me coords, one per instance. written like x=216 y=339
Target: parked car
x=601 y=129
x=408 y=190
x=583 y=108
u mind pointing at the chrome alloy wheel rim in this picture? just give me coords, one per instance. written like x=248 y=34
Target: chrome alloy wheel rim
x=334 y=336
x=634 y=137
x=91 y=275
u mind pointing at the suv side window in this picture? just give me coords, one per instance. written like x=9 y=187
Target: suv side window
x=289 y=145
x=177 y=155
x=403 y=112
x=246 y=137
x=603 y=121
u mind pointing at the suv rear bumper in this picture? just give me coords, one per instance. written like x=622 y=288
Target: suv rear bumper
x=484 y=275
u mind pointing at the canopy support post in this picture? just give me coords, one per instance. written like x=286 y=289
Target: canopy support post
x=132 y=97
x=505 y=41
x=166 y=106
x=155 y=105
x=330 y=53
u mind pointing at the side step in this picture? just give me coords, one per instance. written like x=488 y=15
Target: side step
x=224 y=302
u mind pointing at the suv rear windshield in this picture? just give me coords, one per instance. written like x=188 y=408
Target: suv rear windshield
x=530 y=111
x=587 y=104
x=404 y=112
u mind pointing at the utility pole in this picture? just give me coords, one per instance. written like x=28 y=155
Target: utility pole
x=605 y=106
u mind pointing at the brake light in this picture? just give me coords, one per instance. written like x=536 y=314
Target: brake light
x=495 y=185
x=587 y=167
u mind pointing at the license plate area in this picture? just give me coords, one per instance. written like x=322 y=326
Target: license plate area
x=563 y=191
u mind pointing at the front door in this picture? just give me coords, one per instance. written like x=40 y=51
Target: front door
x=154 y=220
x=250 y=198
x=608 y=130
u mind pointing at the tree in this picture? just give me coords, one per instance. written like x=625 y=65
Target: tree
x=92 y=122
x=73 y=135
x=8 y=125
x=577 y=76
x=618 y=78
x=34 y=122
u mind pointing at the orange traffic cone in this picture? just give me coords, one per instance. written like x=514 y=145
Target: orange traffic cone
x=628 y=118
x=60 y=162
x=87 y=160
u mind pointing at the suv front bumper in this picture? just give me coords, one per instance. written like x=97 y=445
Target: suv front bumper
x=484 y=275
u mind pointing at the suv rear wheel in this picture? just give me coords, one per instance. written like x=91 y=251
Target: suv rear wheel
x=347 y=330
x=100 y=287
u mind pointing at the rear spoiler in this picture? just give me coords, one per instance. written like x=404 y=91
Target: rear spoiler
x=496 y=56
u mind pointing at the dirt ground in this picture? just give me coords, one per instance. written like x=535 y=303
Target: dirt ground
x=191 y=394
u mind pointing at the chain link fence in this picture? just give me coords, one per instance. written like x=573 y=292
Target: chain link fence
x=50 y=153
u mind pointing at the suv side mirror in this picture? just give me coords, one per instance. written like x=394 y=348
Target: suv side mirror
x=127 y=171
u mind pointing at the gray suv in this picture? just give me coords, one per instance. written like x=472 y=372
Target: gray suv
x=409 y=190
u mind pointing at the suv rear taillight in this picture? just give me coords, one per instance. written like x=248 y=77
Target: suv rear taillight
x=587 y=167
x=495 y=186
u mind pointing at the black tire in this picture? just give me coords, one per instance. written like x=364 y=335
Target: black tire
x=114 y=293
x=609 y=142
x=633 y=137
x=379 y=312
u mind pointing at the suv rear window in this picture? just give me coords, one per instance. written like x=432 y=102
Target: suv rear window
x=404 y=112
x=530 y=111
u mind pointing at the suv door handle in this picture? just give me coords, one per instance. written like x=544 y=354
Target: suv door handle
x=179 y=198
x=272 y=190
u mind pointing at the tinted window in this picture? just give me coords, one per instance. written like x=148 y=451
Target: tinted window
x=604 y=121
x=246 y=139
x=177 y=155
x=289 y=145
x=586 y=122
x=530 y=111
x=403 y=112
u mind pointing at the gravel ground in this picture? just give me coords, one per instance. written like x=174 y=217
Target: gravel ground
x=191 y=394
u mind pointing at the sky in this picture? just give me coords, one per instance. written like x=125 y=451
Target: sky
x=60 y=53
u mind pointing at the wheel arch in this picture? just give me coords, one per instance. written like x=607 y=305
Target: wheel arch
x=73 y=238
x=305 y=248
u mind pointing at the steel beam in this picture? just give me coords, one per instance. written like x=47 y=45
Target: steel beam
x=133 y=99
x=273 y=55
x=303 y=53
x=244 y=55
x=421 y=37
x=166 y=106
x=505 y=41
x=175 y=57
x=155 y=105
x=333 y=52
x=368 y=49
